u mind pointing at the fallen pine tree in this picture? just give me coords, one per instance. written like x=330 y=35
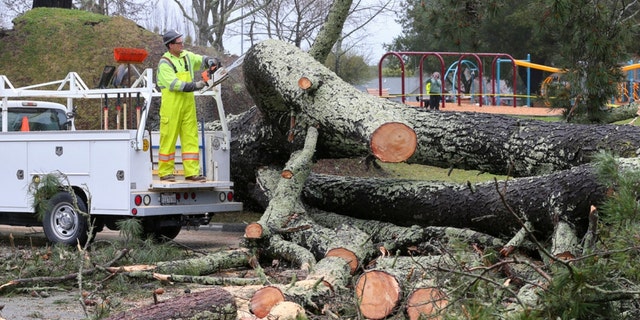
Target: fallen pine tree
x=450 y=270
x=444 y=270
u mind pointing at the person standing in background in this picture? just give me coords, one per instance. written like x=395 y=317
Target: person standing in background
x=435 y=92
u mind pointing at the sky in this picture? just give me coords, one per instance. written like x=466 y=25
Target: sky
x=380 y=33
x=382 y=30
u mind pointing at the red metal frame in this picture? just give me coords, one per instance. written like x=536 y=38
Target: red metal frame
x=462 y=55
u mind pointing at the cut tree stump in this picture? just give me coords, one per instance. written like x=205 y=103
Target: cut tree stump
x=329 y=277
x=349 y=122
x=379 y=294
x=426 y=303
x=264 y=299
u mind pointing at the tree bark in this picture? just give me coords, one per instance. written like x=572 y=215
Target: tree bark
x=214 y=303
x=331 y=30
x=208 y=264
x=567 y=195
x=394 y=239
x=347 y=127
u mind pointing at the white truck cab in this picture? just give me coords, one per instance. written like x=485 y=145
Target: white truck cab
x=29 y=115
x=105 y=175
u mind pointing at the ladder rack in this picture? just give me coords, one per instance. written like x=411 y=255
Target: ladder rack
x=73 y=87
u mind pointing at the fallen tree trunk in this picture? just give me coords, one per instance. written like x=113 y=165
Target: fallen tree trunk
x=385 y=236
x=344 y=126
x=566 y=194
x=215 y=303
x=487 y=142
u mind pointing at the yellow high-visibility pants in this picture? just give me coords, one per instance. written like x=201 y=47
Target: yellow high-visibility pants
x=178 y=119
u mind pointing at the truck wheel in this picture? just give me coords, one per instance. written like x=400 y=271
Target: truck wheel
x=154 y=228
x=169 y=232
x=63 y=223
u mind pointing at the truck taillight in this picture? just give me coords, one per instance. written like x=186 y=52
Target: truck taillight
x=193 y=195
x=137 y=200
x=230 y=196
x=145 y=144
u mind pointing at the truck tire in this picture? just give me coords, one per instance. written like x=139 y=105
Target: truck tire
x=170 y=232
x=63 y=223
x=162 y=229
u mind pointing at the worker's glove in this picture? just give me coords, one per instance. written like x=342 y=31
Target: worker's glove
x=213 y=63
x=200 y=84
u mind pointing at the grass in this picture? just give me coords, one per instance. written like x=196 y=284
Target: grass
x=422 y=172
x=236 y=217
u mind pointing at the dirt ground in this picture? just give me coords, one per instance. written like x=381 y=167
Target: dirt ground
x=64 y=305
x=508 y=110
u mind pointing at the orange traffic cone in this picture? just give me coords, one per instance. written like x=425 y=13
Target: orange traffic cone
x=25 y=124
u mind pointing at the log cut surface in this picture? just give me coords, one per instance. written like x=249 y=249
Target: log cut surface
x=379 y=293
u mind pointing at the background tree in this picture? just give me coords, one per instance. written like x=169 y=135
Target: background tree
x=350 y=67
x=596 y=32
x=591 y=39
x=299 y=21
x=65 y=4
x=293 y=21
x=132 y=9
x=210 y=18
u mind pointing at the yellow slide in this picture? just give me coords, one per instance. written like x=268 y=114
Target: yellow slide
x=522 y=63
x=526 y=64
x=631 y=67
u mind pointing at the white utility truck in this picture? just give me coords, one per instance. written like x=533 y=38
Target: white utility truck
x=108 y=174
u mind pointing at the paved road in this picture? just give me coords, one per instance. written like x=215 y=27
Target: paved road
x=208 y=237
x=64 y=305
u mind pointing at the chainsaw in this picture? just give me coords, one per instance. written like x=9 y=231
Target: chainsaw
x=215 y=75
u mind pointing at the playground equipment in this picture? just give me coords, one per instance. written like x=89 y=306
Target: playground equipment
x=467 y=73
x=628 y=91
x=458 y=80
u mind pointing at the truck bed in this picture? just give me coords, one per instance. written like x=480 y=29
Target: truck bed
x=165 y=185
